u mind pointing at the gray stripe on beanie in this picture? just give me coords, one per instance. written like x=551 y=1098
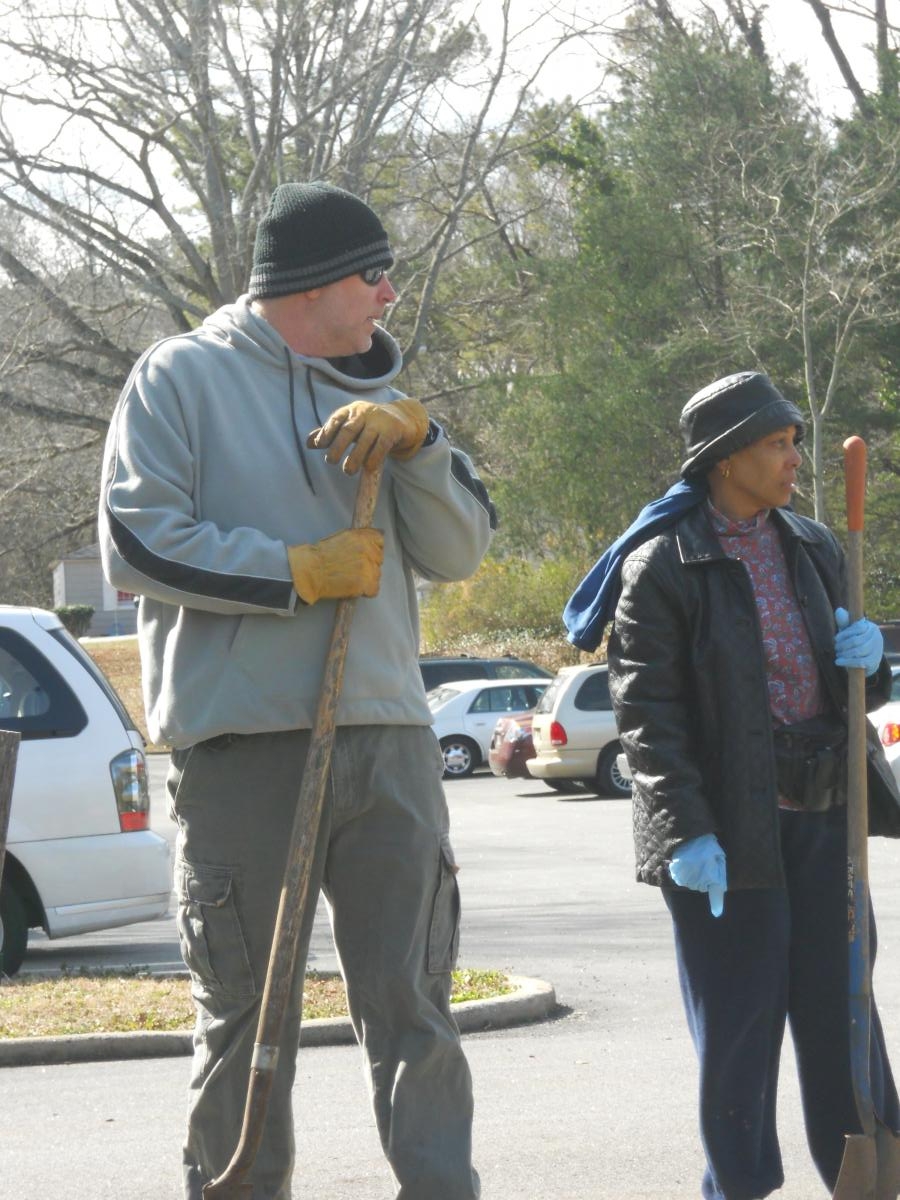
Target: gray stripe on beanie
x=268 y=281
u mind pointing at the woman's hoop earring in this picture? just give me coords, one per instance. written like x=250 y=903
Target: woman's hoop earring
x=726 y=470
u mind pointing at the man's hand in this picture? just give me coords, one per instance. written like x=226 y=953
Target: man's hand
x=340 y=567
x=398 y=429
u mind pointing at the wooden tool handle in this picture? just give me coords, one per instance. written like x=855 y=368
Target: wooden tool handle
x=366 y=496
x=860 y=966
x=855 y=481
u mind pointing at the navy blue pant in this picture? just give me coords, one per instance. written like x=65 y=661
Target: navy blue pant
x=775 y=954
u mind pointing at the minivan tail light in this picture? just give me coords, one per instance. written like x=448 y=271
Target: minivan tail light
x=129 y=776
x=558 y=736
x=890 y=733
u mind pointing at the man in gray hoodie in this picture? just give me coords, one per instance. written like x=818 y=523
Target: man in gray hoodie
x=219 y=509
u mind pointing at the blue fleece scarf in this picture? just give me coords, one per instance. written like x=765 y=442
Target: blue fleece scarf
x=593 y=603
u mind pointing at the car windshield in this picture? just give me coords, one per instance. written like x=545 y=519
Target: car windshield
x=440 y=696
x=545 y=704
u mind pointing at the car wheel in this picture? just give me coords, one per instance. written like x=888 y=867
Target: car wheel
x=609 y=780
x=461 y=757
x=15 y=929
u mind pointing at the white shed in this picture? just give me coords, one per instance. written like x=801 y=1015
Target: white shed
x=78 y=579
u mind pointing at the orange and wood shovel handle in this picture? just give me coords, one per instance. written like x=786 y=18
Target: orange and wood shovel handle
x=870 y=1168
x=857 y=806
x=231 y=1184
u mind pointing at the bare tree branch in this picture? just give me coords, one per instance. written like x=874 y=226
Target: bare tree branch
x=52 y=413
x=856 y=90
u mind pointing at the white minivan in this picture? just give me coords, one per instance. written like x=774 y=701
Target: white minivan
x=574 y=734
x=80 y=854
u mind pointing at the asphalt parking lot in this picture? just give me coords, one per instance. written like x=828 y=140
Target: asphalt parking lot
x=596 y=1103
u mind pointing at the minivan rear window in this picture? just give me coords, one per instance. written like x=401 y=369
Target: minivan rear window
x=593 y=695
x=35 y=700
x=77 y=651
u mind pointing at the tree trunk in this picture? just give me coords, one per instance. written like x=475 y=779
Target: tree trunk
x=837 y=52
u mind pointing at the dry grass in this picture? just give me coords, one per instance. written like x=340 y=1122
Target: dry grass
x=107 y=1003
x=71 y=1003
x=119 y=660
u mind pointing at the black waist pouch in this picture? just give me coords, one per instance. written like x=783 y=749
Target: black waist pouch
x=811 y=763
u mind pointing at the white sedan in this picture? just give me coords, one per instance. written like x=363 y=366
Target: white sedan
x=465 y=713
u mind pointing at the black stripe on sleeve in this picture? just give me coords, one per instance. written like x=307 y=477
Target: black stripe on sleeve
x=239 y=589
x=473 y=484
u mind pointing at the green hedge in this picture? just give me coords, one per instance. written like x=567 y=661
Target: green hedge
x=76 y=618
x=510 y=606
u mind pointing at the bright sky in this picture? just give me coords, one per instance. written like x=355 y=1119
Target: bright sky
x=792 y=32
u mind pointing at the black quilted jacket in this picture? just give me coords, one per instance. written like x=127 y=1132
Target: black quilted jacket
x=688 y=682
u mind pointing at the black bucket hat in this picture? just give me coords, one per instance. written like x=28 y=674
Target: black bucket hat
x=732 y=413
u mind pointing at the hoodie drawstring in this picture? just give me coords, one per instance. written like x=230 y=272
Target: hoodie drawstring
x=297 y=438
x=312 y=395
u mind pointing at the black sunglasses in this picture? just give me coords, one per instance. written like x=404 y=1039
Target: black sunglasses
x=372 y=275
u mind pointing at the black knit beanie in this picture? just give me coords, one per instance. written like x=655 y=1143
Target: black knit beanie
x=313 y=234
x=729 y=414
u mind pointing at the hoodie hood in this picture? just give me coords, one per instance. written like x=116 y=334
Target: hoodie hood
x=238 y=325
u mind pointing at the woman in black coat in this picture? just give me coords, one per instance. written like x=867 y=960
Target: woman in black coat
x=727 y=668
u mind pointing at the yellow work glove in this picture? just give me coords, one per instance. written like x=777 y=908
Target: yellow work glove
x=398 y=429
x=340 y=567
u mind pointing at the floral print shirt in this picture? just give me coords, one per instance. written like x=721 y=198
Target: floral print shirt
x=795 y=691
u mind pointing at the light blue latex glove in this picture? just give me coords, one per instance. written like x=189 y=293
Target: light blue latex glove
x=859 y=644
x=700 y=865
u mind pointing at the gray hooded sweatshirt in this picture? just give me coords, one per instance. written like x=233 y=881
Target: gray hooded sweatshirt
x=207 y=480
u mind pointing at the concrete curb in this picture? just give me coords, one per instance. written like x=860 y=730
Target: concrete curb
x=532 y=1000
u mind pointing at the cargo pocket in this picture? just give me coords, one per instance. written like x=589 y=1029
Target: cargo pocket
x=209 y=930
x=443 y=933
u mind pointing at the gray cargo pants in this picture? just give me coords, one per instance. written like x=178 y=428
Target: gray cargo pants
x=385 y=865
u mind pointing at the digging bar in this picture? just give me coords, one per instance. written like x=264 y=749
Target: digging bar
x=232 y=1183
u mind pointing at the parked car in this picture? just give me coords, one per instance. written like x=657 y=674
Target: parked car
x=574 y=734
x=465 y=713
x=891 y=632
x=511 y=747
x=887 y=721
x=80 y=854
x=438 y=669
